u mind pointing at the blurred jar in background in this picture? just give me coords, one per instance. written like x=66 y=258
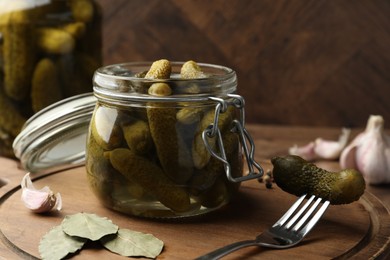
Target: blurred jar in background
x=49 y=50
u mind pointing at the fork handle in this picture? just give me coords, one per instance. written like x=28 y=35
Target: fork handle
x=216 y=254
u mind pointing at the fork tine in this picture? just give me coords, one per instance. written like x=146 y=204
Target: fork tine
x=300 y=212
x=315 y=218
x=307 y=215
x=289 y=212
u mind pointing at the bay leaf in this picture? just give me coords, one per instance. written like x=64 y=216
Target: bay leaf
x=89 y=226
x=133 y=243
x=56 y=244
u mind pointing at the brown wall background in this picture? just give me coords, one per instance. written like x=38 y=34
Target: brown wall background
x=302 y=62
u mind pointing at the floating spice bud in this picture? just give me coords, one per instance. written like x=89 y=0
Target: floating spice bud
x=39 y=201
x=321 y=148
x=369 y=152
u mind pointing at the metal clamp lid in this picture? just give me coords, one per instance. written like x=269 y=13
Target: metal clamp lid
x=55 y=137
x=239 y=127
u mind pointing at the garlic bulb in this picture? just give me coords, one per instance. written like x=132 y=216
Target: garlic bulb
x=369 y=152
x=322 y=149
x=39 y=201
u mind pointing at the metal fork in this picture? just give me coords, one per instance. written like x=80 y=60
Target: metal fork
x=288 y=231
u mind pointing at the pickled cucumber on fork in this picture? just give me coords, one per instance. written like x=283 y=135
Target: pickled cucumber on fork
x=152 y=179
x=297 y=176
x=18 y=52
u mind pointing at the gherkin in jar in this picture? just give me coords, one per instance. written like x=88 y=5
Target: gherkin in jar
x=44 y=56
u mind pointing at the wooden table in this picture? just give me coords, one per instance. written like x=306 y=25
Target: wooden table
x=360 y=229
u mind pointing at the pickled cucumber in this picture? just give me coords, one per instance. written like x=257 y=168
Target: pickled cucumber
x=82 y=10
x=104 y=128
x=6 y=144
x=160 y=69
x=55 y=41
x=191 y=70
x=200 y=154
x=297 y=176
x=205 y=178
x=76 y=29
x=11 y=119
x=45 y=86
x=190 y=115
x=100 y=173
x=152 y=179
x=137 y=136
x=18 y=53
x=162 y=122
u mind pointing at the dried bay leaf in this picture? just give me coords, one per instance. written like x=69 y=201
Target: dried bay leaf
x=133 y=243
x=56 y=244
x=89 y=226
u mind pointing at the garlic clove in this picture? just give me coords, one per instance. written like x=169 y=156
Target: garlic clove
x=347 y=157
x=331 y=150
x=306 y=151
x=322 y=149
x=39 y=201
x=369 y=153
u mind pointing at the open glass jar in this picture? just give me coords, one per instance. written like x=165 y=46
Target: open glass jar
x=166 y=156
x=49 y=50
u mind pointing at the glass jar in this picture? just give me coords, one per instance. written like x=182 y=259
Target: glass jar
x=165 y=156
x=49 y=50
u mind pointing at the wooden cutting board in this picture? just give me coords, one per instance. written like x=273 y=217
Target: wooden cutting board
x=360 y=229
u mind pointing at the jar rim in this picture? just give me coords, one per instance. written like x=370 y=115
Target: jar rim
x=119 y=82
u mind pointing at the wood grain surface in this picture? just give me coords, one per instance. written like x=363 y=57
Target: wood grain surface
x=344 y=231
x=303 y=62
x=360 y=230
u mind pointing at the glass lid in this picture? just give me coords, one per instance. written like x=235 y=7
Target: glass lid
x=55 y=137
